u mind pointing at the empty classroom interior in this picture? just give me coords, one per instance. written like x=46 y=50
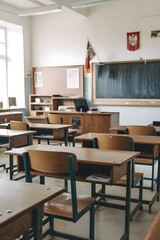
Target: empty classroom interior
x=56 y=43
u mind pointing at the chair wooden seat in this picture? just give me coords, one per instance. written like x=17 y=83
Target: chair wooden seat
x=137 y=178
x=154 y=231
x=143 y=161
x=62 y=205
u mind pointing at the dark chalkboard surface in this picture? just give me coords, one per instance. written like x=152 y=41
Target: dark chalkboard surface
x=127 y=82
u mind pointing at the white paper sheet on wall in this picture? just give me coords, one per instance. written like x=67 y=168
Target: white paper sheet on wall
x=38 y=79
x=72 y=78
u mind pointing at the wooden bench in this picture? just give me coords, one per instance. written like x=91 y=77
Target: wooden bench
x=154 y=232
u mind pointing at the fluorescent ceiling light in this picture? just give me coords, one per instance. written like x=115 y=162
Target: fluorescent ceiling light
x=87 y=3
x=40 y=10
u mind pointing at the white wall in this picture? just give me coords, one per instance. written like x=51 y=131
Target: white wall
x=61 y=38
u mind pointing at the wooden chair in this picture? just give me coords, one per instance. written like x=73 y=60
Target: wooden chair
x=154 y=231
x=56 y=118
x=149 y=154
x=124 y=143
x=67 y=206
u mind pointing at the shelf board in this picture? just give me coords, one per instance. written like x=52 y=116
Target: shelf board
x=41 y=103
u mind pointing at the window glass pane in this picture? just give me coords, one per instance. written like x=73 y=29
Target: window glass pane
x=16 y=66
x=2 y=49
x=11 y=64
x=2 y=35
x=3 y=88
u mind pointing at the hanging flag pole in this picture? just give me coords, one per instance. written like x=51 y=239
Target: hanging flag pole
x=90 y=54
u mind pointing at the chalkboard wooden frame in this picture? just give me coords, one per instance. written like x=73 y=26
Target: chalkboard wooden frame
x=108 y=70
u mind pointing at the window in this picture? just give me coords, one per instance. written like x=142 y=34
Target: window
x=11 y=64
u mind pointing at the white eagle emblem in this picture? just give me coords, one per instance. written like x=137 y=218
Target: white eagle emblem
x=133 y=39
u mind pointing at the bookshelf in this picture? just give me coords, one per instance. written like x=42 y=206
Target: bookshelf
x=41 y=105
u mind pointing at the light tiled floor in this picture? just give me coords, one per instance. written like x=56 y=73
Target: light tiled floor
x=109 y=222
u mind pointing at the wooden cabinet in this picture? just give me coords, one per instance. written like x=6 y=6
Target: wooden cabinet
x=84 y=122
x=8 y=116
x=90 y=122
x=41 y=105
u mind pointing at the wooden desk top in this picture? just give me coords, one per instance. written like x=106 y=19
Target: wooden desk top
x=84 y=155
x=143 y=139
x=85 y=113
x=49 y=126
x=12 y=133
x=123 y=127
x=118 y=128
x=16 y=198
x=3 y=112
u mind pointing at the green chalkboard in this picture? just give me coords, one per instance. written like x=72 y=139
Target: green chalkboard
x=127 y=83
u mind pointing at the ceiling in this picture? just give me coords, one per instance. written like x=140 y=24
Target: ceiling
x=30 y=7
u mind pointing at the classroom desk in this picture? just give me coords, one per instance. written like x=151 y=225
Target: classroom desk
x=45 y=128
x=113 y=163
x=16 y=138
x=7 y=116
x=121 y=129
x=21 y=203
x=87 y=140
x=118 y=129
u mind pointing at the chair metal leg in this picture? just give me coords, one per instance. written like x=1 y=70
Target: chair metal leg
x=141 y=193
x=92 y=222
x=3 y=165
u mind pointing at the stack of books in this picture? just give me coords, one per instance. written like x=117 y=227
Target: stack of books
x=98 y=178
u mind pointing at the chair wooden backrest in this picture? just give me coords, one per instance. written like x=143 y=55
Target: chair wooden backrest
x=52 y=163
x=141 y=130
x=18 y=125
x=54 y=118
x=113 y=142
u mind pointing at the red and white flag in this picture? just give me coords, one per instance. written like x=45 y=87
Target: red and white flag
x=89 y=55
x=133 y=41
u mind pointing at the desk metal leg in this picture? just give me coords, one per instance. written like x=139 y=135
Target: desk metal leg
x=128 y=202
x=11 y=166
x=158 y=180
x=37 y=223
x=66 y=136
x=74 y=134
x=157 y=194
